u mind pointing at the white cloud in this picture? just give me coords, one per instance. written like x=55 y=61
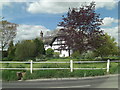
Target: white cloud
x=58 y=6
x=112 y=32
x=4 y=4
x=50 y=7
x=8 y=2
x=27 y=32
x=110 y=4
x=107 y=21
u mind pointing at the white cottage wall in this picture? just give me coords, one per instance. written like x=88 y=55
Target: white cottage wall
x=55 y=46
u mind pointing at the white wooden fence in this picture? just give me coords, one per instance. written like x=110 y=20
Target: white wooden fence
x=71 y=66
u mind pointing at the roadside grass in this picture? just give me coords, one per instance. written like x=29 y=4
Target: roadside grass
x=9 y=75
x=114 y=68
x=62 y=74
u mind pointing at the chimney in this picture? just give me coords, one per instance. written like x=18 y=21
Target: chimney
x=41 y=35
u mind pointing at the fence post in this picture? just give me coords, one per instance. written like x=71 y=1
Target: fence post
x=31 y=66
x=108 y=65
x=71 y=65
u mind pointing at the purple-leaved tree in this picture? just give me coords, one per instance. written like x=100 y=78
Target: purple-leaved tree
x=81 y=28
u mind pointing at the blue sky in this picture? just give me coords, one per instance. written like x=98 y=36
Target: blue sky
x=18 y=13
x=45 y=15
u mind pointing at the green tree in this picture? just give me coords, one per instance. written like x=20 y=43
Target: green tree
x=49 y=52
x=40 y=50
x=25 y=50
x=11 y=51
x=108 y=48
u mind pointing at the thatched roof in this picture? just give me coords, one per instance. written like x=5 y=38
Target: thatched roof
x=48 y=40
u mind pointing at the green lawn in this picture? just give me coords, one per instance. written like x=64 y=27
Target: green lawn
x=52 y=65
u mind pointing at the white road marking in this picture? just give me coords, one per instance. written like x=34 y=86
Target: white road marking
x=71 y=86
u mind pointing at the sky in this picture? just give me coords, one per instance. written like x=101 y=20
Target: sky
x=44 y=15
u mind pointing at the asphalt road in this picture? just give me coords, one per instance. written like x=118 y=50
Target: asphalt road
x=99 y=82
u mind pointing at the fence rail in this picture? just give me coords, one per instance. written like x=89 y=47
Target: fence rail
x=71 y=62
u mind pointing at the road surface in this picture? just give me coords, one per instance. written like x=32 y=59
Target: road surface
x=99 y=82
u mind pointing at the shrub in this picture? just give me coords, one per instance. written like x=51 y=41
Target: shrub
x=56 y=54
x=11 y=51
x=4 y=54
x=88 y=55
x=49 y=52
x=98 y=58
x=40 y=57
x=76 y=54
x=25 y=50
x=5 y=59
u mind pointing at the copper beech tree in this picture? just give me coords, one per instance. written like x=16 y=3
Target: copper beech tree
x=81 y=28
